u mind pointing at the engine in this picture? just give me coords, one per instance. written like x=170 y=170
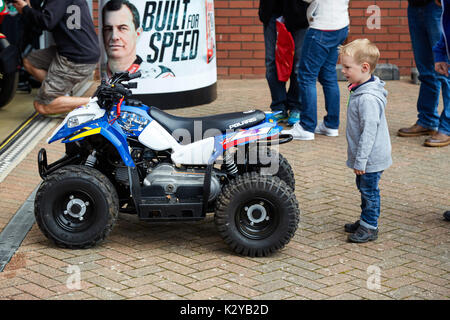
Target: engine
x=170 y=178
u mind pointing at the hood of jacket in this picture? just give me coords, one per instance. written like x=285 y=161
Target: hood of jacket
x=375 y=88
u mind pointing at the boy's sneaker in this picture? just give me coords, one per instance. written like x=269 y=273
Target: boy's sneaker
x=351 y=227
x=294 y=117
x=280 y=117
x=323 y=129
x=298 y=133
x=363 y=234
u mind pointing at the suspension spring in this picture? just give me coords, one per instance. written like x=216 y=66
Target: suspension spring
x=230 y=165
x=91 y=159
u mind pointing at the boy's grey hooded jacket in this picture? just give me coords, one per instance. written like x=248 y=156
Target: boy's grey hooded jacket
x=369 y=145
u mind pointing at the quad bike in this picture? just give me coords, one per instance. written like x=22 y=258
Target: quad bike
x=123 y=156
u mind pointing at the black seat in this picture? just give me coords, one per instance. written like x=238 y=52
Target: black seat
x=211 y=125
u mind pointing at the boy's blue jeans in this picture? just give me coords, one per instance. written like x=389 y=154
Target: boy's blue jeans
x=282 y=100
x=318 y=61
x=370 y=198
x=425 y=31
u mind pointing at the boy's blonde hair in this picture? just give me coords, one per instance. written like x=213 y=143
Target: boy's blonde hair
x=362 y=50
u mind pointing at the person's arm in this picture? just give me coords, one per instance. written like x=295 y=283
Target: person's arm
x=20 y=4
x=369 y=117
x=440 y=56
x=49 y=17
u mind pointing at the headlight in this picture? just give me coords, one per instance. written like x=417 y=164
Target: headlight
x=75 y=121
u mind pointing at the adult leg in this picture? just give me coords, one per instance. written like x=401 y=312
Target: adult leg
x=444 y=120
x=62 y=76
x=293 y=94
x=421 y=21
x=38 y=74
x=38 y=62
x=313 y=56
x=277 y=88
x=328 y=80
x=442 y=137
x=60 y=105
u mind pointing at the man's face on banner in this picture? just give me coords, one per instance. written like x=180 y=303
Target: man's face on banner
x=119 y=33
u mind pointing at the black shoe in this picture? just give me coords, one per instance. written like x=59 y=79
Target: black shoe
x=351 y=227
x=447 y=215
x=363 y=234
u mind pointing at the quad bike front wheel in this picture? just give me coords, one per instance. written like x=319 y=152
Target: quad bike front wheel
x=76 y=207
x=257 y=215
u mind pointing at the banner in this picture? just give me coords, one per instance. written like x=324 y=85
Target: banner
x=172 y=43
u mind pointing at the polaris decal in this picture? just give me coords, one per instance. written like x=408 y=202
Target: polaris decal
x=241 y=123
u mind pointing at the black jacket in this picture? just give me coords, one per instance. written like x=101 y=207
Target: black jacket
x=78 y=43
x=418 y=3
x=294 y=12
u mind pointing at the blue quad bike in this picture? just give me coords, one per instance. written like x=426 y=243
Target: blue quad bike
x=123 y=156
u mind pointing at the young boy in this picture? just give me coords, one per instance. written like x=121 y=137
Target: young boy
x=369 y=145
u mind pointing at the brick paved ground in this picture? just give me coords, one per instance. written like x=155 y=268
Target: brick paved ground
x=190 y=261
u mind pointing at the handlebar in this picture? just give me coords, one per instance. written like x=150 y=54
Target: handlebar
x=121 y=90
x=110 y=92
x=135 y=75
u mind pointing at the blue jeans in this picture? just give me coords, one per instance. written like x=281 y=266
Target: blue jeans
x=282 y=100
x=318 y=61
x=370 y=197
x=425 y=30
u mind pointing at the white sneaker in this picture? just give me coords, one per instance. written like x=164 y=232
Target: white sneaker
x=298 y=133
x=322 y=129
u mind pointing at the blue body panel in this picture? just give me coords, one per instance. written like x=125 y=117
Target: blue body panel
x=110 y=129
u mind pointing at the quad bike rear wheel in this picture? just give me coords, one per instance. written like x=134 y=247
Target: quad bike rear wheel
x=76 y=207
x=257 y=215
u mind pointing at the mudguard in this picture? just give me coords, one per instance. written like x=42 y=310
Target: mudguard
x=112 y=132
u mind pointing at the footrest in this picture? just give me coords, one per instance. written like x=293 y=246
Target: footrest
x=169 y=212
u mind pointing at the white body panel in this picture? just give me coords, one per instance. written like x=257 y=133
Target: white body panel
x=194 y=153
x=157 y=138
x=86 y=113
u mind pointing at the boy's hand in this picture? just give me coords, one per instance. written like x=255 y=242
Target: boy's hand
x=359 y=172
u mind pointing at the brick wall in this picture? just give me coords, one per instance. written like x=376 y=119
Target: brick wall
x=240 y=42
x=392 y=38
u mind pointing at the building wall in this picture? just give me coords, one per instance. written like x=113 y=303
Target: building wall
x=240 y=42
